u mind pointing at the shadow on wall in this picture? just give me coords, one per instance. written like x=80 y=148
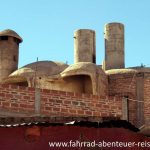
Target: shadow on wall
x=74 y=83
x=21 y=83
x=79 y=84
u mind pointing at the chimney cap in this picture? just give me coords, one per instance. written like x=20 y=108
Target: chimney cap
x=9 y=32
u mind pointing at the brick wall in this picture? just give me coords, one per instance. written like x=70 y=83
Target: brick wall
x=74 y=104
x=57 y=103
x=17 y=98
x=125 y=85
x=147 y=98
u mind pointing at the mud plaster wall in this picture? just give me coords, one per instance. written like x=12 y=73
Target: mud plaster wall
x=9 y=57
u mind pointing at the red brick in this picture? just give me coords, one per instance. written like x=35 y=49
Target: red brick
x=45 y=91
x=30 y=110
x=9 y=96
x=31 y=89
x=106 y=106
x=82 y=104
x=119 y=107
x=62 y=93
x=2 y=94
x=64 y=110
x=44 y=99
x=103 y=97
x=90 y=104
x=13 y=86
x=17 y=96
x=48 y=108
x=33 y=98
x=51 y=100
x=58 y=101
x=6 y=104
x=56 y=109
x=104 y=114
x=14 y=105
x=22 y=87
x=113 y=107
x=26 y=97
x=77 y=94
x=70 y=93
x=80 y=112
x=96 y=113
x=66 y=102
x=23 y=93
x=72 y=111
x=54 y=92
x=15 y=109
x=45 y=112
x=75 y=103
x=95 y=96
x=30 y=106
x=88 y=112
x=98 y=105
x=5 y=85
x=23 y=105
x=55 y=97
x=86 y=96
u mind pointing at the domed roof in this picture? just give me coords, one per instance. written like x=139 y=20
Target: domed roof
x=41 y=68
x=81 y=68
x=120 y=71
x=12 y=33
x=114 y=23
x=128 y=70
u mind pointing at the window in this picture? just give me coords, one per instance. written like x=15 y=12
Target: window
x=3 y=38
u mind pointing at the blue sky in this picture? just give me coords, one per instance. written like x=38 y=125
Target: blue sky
x=47 y=27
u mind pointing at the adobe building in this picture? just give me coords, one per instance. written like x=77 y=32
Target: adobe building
x=83 y=89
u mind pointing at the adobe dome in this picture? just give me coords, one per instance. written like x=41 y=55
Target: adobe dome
x=128 y=70
x=12 y=33
x=79 y=68
x=41 y=68
x=120 y=71
x=84 y=68
x=90 y=75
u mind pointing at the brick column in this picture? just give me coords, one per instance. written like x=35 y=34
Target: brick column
x=140 y=98
x=37 y=101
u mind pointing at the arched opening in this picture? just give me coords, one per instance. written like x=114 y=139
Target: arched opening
x=25 y=83
x=20 y=81
x=79 y=84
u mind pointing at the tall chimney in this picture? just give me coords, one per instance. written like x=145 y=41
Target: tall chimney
x=9 y=52
x=114 y=46
x=84 y=46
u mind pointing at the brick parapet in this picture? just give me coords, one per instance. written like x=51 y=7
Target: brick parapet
x=17 y=98
x=58 y=103
x=74 y=104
